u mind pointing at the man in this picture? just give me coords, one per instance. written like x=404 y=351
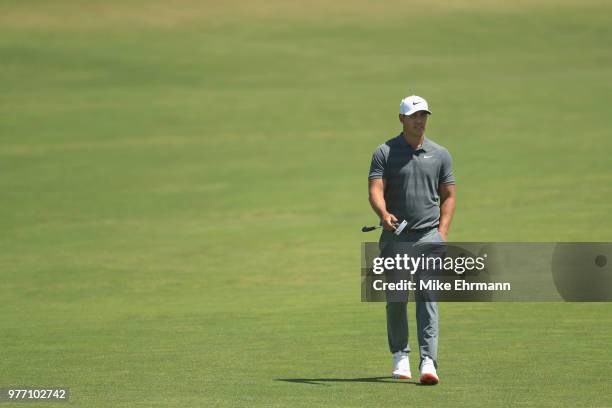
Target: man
x=411 y=179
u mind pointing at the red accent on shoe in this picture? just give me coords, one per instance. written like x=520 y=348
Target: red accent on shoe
x=429 y=379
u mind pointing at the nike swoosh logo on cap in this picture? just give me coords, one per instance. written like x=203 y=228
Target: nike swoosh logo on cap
x=415 y=103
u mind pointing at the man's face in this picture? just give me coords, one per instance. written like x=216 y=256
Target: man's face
x=415 y=123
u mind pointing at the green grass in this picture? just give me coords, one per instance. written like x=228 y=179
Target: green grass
x=183 y=186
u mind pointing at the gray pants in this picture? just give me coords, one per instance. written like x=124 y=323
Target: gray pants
x=426 y=312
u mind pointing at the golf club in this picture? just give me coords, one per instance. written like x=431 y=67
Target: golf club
x=398 y=229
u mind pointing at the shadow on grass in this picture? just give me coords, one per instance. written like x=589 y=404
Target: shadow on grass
x=323 y=381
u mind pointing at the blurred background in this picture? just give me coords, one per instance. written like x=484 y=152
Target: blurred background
x=183 y=186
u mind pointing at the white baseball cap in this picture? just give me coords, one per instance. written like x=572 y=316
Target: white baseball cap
x=412 y=104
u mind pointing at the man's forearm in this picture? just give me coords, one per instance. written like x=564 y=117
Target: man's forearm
x=376 y=196
x=376 y=193
x=377 y=201
x=447 y=210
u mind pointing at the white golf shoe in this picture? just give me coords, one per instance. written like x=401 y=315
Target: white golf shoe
x=428 y=372
x=401 y=366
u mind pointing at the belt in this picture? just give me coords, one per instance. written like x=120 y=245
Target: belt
x=418 y=230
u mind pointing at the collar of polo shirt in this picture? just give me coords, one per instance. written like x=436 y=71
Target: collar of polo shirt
x=425 y=146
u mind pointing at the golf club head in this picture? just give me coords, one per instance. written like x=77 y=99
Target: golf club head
x=400 y=228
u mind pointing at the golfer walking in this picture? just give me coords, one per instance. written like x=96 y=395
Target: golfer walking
x=411 y=179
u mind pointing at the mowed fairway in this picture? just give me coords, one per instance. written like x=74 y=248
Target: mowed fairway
x=182 y=187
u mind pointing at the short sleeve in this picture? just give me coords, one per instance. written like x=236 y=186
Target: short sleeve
x=377 y=167
x=446 y=169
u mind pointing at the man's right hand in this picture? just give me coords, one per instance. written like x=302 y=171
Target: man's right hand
x=389 y=221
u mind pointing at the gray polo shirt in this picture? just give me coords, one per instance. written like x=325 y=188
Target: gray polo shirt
x=412 y=178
